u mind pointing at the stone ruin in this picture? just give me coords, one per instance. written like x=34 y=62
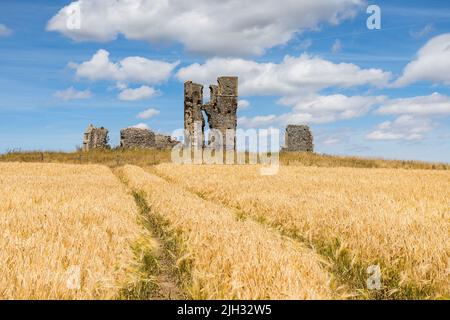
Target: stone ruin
x=220 y=111
x=193 y=117
x=221 y=115
x=145 y=139
x=95 y=138
x=164 y=142
x=137 y=138
x=299 y=138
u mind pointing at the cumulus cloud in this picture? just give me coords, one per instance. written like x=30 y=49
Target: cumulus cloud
x=141 y=126
x=213 y=27
x=405 y=127
x=414 y=117
x=243 y=104
x=72 y=94
x=331 y=141
x=4 y=31
x=128 y=70
x=434 y=104
x=324 y=109
x=432 y=63
x=143 y=92
x=297 y=80
x=316 y=109
x=305 y=73
x=147 y=114
x=258 y=121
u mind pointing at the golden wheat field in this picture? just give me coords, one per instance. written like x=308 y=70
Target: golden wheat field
x=66 y=232
x=396 y=219
x=222 y=232
x=228 y=258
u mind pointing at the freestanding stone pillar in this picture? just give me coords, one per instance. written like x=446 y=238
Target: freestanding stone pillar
x=194 y=123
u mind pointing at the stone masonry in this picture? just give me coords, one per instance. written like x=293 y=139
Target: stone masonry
x=137 y=138
x=193 y=117
x=95 y=138
x=299 y=138
x=164 y=142
x=220 y=111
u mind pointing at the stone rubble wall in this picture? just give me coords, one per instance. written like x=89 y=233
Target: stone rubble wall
x=299 y=138
x=165 y=142
x=137 y=138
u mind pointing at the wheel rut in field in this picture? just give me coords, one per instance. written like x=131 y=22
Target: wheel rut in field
x=345 y=286
x=160 y=281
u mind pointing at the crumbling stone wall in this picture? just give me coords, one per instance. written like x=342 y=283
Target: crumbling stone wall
x=95 y=138
x=165 y=142
x=193 y=117
x=137 y=138
x=299 y=138
x=222 y=109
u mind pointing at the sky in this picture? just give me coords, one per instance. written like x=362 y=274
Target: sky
x=364 y=91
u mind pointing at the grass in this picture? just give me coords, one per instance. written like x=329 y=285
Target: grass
x=145 y=157
x=112 y=158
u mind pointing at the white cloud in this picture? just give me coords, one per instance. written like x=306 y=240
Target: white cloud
x=434 y=104
x=324 y=109
x=4 y=31
x=316 y=109
x=415 y=114
x=405 y=127
x=258 y=121
x=432 y=63
x=206 y=26
x=147 y=114
x=243 y=104
x=73 y=94
x=293 y=75
x=141 y=126
x=143 y=92
x=331 y=141
x=337 y=47
x=128 y=70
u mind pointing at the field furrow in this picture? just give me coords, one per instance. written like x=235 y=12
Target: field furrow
x=227 y=257
x=396 y=219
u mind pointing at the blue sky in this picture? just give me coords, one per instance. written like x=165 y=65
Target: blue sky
x=378 y=93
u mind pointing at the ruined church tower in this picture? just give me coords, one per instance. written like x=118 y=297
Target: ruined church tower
x=221 y=110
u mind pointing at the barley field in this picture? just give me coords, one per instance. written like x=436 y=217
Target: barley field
x=67 y=232
x=396 y=219
x=167 y=231
x=229 y=258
